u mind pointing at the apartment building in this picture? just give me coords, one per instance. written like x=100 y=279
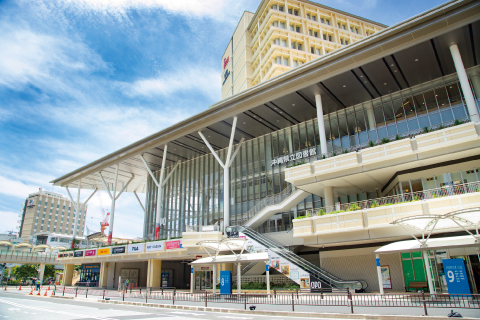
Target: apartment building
x=50 y=212
x=282 y=35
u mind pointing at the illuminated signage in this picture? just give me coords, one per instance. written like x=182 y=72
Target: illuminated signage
x=90 y=253
x=176 y=244
x=155 y=246
x=295 y=156
x=225 y=76
x=103 y=252
x=78 y=254
x=118 y=250
x=225 y=62
x=136 y=248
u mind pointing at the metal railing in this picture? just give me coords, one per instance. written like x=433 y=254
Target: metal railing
x=248 y=267
x=294 y=298
x=445 y=191
x=265 y=202
x=307 y=266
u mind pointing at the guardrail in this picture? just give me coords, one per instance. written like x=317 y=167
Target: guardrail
x=294 y=298
x=445 y=191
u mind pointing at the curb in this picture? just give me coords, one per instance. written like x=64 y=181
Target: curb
x=265 y=313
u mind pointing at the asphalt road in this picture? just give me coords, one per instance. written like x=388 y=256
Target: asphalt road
x=14 y=306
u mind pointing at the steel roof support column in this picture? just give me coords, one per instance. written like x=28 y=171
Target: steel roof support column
x=160 y=184
x=464 y=84
x=321 y=124
x=428 y=271
x=78 y=208
x=112 y=207
x=226 y=170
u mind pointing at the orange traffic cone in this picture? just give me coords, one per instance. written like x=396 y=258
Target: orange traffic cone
x=20 y=288
x=38 y=293
x=53 y=293
x=5 y=288
x=48 y=287
x=31 y=292
x=45 y=293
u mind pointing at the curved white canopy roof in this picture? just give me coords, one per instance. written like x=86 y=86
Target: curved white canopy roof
x=433 y=244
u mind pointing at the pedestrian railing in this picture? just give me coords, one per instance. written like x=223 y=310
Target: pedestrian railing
x=294 y=298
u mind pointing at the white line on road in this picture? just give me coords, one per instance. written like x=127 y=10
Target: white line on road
x=53 y=311
x=186 y=313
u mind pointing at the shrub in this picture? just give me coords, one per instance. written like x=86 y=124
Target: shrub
x=337 y=211
x=374 y=204
x=371 y=143
x=353 y=207
x=322 y=212
x=398 y=137
x=416 y=198
x=457 y=122
x=425 y=130
x=334 y=154
x=440 y=127
x=384 y=140
x=345 y=151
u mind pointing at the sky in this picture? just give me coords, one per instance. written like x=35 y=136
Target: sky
x=82 y=78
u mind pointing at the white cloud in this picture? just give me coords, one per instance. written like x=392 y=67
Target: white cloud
x=9 y=220
x=189 y=79
x=16 y=188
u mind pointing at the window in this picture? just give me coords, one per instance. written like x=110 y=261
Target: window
x=300 y=46
x=356 y=30
x=294 y=45
x=282 y=25
x=319 y=52
x=315 y=34
x=295 y=12
x=297 y=28
x=329 y=38
x=351 y=29
x=278 y=60
x=285 y=61
x=344 y=27
x=284 y=42
x=314 y=18
x=275 y=24
x=322 y=20
x=324 y=36
x=274 y=7
x=346 y=42
x=326 y=51
x=290 y=11
x=308 y=16
x=292 y=27
x=310 y=33
x=312 y=49
x=280 y=8
x=295 y=63
x=367 y=32
x=339 y=26
x=277 y=41
x=341 y=41
x=327 y=21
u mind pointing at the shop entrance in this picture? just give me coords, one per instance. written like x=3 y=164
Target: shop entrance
x=165 y=279
x=203 y=280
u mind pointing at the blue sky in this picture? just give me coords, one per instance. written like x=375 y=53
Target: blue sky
x=83 y=78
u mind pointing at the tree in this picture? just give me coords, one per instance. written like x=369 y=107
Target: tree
x=49 y=271
x=25 y=271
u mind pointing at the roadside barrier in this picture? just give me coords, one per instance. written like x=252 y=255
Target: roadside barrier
x=343 y=298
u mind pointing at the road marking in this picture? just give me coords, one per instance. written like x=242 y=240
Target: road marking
x=53 y=311
x=228 y=317
x=186 y=313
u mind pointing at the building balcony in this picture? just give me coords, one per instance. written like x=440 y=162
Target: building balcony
x=380 y=212
x=441 y=143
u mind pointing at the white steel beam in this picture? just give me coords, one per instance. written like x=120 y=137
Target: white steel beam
x=124 y=187
x=164 y=182
x=105 y=185
x=140 y=202
x=112 y=207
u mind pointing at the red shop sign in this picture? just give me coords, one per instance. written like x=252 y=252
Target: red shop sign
x=173 y=244
x=89 y=253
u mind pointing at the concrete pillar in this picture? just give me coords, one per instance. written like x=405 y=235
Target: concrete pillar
x=464 y=84
x=370 y=118
x=154 y=273
x=158 y=216
x=103 y=279
x=41 y=272
x=476 y=85
x=192 y=279
x=239 y=278
x=214 y=280
x=226 y=197
x=112 y=208
x=379 y=273
x=68 y=274
x=429 y=273
x=268 y=277
x=321 y=124
x=329 y=199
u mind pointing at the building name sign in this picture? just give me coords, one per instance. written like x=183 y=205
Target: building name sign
x=225 y=62
x=78 y=254
x=295 y=156
x=225 y=76
x=176 y=244
x=119 y=250
x=155 y=246
x=136 y=248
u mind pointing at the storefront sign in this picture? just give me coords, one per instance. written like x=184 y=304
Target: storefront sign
x=204 y=268
x=154 y=246
x=176 y=244
x=456 y=276
x=65 y=255
x=386 y=278
x=225 y=282
x=136 y=248
x=103 y=251
x=295 y=156
x=90 y=253
x=90 y=267
x=78 y=254
x=119 y=250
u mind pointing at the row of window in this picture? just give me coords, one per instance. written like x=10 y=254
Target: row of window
x=296 y=13
x=311 y=32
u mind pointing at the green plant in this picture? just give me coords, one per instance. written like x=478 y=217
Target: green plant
x=345 y=151
x=353 y=207
x=371 y=143
x=374 y=204
x=425 y=130
x=337 y=211
x=440 y=127
x=334 y=154
x=324 y=156
x=457 y=122
x=398 y=137
x=321 y=212
x=416 y=198
x=384 y=140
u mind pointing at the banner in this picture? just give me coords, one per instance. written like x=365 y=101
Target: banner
x=136 y=248
x=78 y=254
x=175 y=244
x=456 y=276
x=226 y=282
x=154 y=246
x=119 y=250
x=65 y=255
x=103 y=252
x=90 y=253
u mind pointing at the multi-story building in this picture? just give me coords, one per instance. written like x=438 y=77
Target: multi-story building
x=284 y=34
x=331 y=159
x=50 y=212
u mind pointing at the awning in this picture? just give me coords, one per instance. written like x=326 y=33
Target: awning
x=262 y=256
x=433 y=244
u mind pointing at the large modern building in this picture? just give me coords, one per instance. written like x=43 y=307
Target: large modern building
x=338 y=159
x=50 y=212
x=282 y=35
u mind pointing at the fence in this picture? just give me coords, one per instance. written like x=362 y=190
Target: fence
x=295 y=298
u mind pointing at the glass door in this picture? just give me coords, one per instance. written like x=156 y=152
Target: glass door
x=203 y=280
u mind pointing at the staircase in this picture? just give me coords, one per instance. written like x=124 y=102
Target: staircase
x=286 y=257
x=271 y=205
x=75 y=279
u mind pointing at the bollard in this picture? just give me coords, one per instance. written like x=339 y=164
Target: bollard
x=293 y=303
x=76 y=291
x=275 y=293
x=123 y=295
x=146 y=296
x=63 y=294
x=351 y=301
x=205 y=299
x=297 y=294
x=173 y=297
x=424 y=304
x=86 y=293
x=162 y=291
x=103 y=294
x=245 y=298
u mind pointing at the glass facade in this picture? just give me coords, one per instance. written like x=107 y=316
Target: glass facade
x=193 y=196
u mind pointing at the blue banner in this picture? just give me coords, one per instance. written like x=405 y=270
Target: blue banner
x=225 y=282
x=456 y=276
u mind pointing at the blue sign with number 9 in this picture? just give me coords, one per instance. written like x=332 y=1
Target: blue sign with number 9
x=456 y=276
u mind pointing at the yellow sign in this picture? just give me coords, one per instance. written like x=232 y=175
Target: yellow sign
x=102 y=252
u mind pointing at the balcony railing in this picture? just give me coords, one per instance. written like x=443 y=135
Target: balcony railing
x=445 y=191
